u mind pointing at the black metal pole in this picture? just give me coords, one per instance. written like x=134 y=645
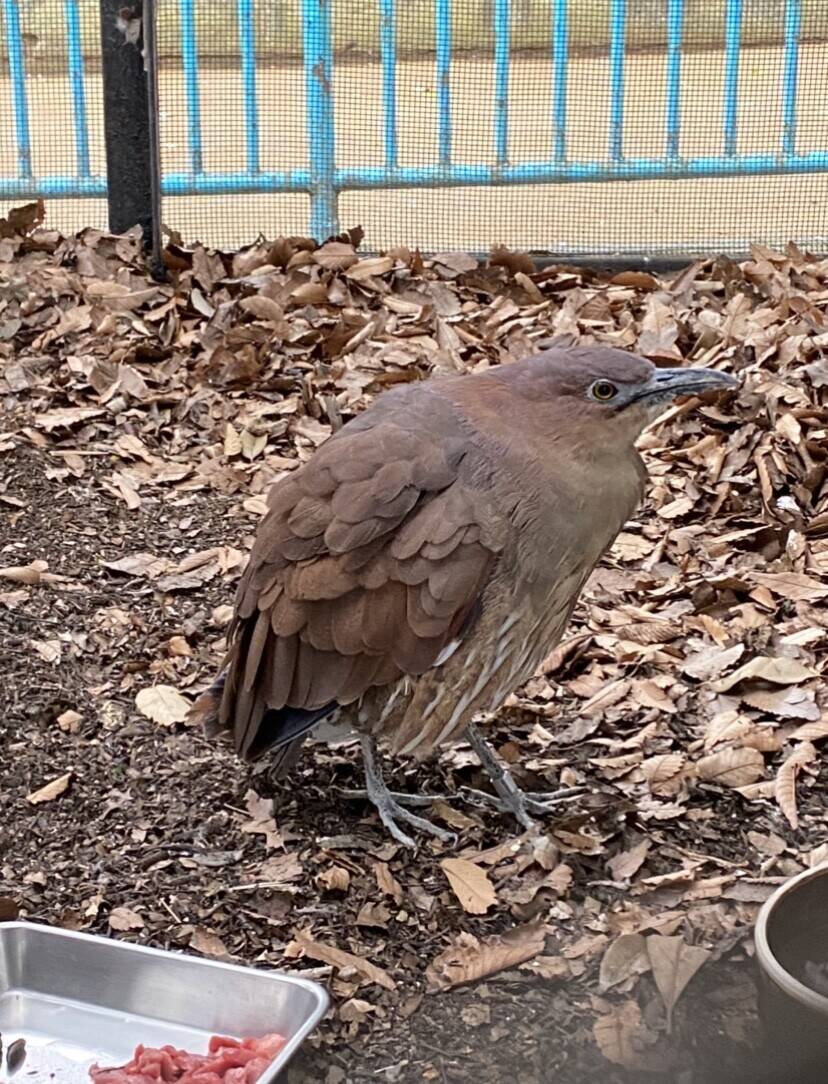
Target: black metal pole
x=126 y=117
x=157 y=268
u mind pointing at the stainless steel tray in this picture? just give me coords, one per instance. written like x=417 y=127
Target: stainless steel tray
x=77 y=999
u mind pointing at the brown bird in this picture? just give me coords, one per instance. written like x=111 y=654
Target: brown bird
x=428 y=557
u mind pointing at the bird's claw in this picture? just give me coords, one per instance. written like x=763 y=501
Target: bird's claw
x=510 y=798
x=390 y=811
x=522 y=804
x=391 y=807
x=400 y=797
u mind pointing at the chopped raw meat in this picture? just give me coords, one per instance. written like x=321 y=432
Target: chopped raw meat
x=227 y=1061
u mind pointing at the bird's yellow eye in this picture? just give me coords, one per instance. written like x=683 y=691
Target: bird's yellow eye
x=603 y=391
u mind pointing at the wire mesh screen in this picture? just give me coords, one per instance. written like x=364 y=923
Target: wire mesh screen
x=647 y=216
x=578 y=127
x=51 y=108
x=231 y=90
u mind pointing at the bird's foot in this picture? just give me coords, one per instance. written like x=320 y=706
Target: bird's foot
x=510 y=798
x=390 y=806
x=522 y=804
x=402 y=798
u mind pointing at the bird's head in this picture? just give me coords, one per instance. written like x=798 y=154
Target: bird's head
x=608 y=388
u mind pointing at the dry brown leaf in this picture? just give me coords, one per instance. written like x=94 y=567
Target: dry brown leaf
x=659 y=769
x=177 y=645
x=124 y=918
x=785 y=786
x=626 y=957
x=368 y=268
x=626 y=864
x=674 y=964
x=679 y=507
x=631 y=547
x=208 y=943
x=355 y=1009
x=789 y=702
x=548 y=967
x=264 y=308
x=334 y=879
x=335 y=255
x=66 y=417
x=470 y=884
x=781 y=671
x=12 y=599
x=69 y=721
x=792 y=585
x=252 y=444
x=712 y=661
x=618 y=1035
x=811 y=731
x=139 y=564
x=49 y=650
x=387 y=882
x=373 y=914
x=32 y=574
x=649 y=694
x=328 y=954
x=49 y=791
x=733 y=767
x=469 y=959
x=232 y=441
x=261 y=820
x=726 y=726
x=163 y=704
x=453 y=817
x=282 y=869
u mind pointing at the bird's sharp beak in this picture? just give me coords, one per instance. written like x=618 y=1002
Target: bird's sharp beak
x=667 y=384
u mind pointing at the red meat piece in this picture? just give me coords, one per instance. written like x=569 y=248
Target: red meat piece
x=227 y=1061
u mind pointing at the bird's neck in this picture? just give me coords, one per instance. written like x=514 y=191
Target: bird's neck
x=542 y=439
x=564 y=481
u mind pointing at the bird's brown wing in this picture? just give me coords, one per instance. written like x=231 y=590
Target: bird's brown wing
x=366 y=567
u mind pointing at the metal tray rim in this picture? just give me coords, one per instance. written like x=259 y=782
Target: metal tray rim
x=285 y=1055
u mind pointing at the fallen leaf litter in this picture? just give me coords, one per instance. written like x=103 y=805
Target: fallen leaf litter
x=142 y=426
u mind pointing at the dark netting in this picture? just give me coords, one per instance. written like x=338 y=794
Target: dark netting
x=234 y=117
x=62 y=107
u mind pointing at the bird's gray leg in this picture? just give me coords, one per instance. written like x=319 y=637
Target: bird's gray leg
x=388 y=806
x=512 y=798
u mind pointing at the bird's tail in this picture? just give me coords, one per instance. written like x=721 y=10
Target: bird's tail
x=284 y=757
x=282 y=732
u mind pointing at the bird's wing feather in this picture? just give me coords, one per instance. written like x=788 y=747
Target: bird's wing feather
x=366 y=567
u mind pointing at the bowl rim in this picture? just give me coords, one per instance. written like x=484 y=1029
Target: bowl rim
x=765 y=956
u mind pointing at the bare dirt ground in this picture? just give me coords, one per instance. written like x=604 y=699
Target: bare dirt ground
x=142 y=424
x=657 y=216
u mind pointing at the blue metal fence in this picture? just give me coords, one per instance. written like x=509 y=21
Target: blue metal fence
x=322 y=179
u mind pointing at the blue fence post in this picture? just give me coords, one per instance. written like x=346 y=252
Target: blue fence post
x=675 y=19
x=733 y=39
x=502 y=20
x=793 y=27
x=560 y=62
x=17 y=71
x=189 y=60
x=76 y=77
x=388 y=51
x=247 y=44
x=442 y=16
x=318 y=61
x=618 y=42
